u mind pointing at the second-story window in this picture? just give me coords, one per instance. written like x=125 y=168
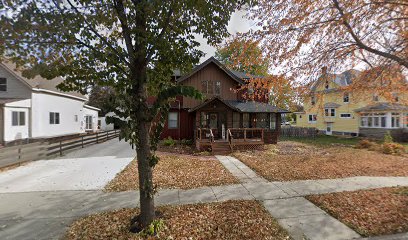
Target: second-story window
x=395 y=97
x=313 y=100
x=204 y=86
x=346 y=98
x=375 y=97
x=3 y=84
x=330 y=112
x=326 y=85
x=207 y=86
x=217 y=88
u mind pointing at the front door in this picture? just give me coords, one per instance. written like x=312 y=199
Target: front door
x=329 y=128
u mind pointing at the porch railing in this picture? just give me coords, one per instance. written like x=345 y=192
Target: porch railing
x=246 y=134
x=205 y=134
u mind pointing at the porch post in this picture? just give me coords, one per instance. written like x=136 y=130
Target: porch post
x=245 y=134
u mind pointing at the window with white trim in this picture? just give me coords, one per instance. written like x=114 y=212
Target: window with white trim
x=373 y=120
x=3 y=84
x=330 y=112
x=395 y=120
x=345 y=115
x=346 y=98
x=173 y=120
x=312 y=118
x=17 y=118
x=88 y=122
x=54 y=118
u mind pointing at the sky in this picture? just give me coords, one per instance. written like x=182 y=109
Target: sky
x=236 y=24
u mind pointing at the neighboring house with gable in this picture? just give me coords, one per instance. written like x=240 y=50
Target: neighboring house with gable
x=332 y=110
x=35 y=108
x=224 y=113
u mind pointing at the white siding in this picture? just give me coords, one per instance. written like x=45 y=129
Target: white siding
x=15 y=88
x=43 y=104
x=104 y=126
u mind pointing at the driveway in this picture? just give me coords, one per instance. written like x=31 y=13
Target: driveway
x=90 y=168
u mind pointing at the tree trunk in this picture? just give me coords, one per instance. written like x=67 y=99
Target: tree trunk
x=147 y=212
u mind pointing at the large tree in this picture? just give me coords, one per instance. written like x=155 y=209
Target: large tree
x=304 y=36
x=130 y=45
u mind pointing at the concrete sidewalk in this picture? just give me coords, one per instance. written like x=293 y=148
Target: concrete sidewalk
x=47 y=214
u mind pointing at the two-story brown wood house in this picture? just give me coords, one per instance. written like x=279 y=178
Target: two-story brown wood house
x=224 y=117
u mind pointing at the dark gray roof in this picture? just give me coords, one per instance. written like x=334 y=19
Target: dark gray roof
x=383 y=106
x=235 y=75
x=243 y=106
x=254 y=107
x=331 y=105
x=342 y=80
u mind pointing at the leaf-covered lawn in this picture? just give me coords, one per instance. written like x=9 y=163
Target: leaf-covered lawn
x=297 y=161
x=227 y=220
x=370 y=212
x=176 y=171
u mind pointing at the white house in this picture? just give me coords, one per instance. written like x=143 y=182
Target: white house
x=35 y=108
x=103 y=125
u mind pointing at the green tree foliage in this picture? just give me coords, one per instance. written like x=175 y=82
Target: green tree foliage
x=99 y=97
x=129 y=45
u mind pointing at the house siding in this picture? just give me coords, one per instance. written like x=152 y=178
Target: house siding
x=211 y=73
x=15 y=87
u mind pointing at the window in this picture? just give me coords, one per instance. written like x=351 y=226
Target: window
x=203 y=118
x=312 y=118
x=17 y=118
x=326 y=86
x=204 y=86
x=173 y=120
x=395 y=97
x=88 y=122
x=373 y=120
x=345 y=115
x=330 y=112
x=54 y=118
x=313 y=100
x=76 y=118
x=395 y=120
x=375 y=97
x=261 y=120
x=217 y=88
x=346 y=98
x=236 y=120
x=272 y=121
x=210 y=88
x=3 y=84
x=245 y=120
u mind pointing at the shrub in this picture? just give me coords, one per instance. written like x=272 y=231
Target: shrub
x=169 y=142
x=187 y=142
x=365 y=143
x=393 y=148
x=388 y=138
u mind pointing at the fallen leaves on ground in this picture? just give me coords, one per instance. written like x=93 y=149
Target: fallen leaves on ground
x=370 y=212
x=176 y=171
x=227 y=220
x=297 y=161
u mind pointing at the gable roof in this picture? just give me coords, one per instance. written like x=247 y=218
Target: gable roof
x=243 y=106
x=39 y=82
x=233 y=74
x=342 y=80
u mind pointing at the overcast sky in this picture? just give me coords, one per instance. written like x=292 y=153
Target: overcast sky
x=237 y=24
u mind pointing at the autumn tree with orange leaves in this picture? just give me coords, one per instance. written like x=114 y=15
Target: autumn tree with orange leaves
x=302 y=36
x=241 y=54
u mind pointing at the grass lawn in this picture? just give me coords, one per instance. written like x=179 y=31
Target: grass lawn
x=324 y=140
x=226 y=220
x=298 y=161
x=176 y=171
x=370 y=212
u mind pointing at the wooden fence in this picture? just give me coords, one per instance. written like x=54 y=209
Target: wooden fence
x=47 y=149
x=298 y=132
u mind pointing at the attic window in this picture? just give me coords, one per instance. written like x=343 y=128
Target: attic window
x=313 y=100
x=3 y=84
x=346 y=98
x=326 y=86
x=217 y=88
x=395 y=97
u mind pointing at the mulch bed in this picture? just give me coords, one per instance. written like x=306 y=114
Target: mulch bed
x=297 y=161
x=370 y=212
x=226 y=220
x=176 y=171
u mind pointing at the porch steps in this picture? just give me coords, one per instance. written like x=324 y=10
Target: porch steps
x=220 y=148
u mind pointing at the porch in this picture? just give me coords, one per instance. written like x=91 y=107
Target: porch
x=242 y=139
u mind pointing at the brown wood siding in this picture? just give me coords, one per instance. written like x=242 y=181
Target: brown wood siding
x=211 y=73
x=186 y=130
